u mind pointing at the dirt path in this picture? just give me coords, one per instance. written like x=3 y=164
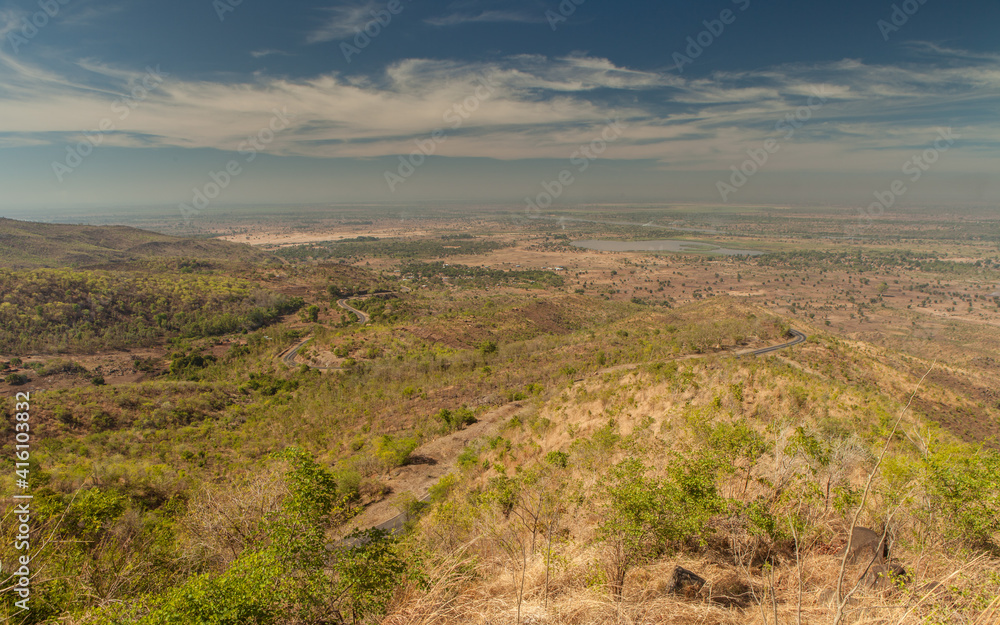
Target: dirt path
x=435 y=459
x=429 y=463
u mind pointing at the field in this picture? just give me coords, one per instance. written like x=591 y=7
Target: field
x=559 y=428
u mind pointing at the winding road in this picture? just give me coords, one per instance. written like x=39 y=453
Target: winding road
x=363 y=319
x=798 y=337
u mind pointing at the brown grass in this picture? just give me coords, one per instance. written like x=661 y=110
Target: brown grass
x=485 y=594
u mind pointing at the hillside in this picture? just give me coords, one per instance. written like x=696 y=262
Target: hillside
x=216 y=444
x=26 y=244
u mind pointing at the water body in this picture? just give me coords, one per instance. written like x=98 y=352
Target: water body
x=664 y=245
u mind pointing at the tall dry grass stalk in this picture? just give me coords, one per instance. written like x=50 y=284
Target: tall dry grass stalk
x=466 y=590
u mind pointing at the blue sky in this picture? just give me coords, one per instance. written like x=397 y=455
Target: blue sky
x=117 y=103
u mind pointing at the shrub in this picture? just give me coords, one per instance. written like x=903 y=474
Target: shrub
x=557 y=458
x=457 y=419
x=468 y=458
x=964 y=485
x=488 y=347
x=16 y=379
x=394 y=452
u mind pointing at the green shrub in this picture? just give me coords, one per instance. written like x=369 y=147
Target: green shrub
x=455 y=420
x=16 y=379
x=468 y=458
x=558 y=459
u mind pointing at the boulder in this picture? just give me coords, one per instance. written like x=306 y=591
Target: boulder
x=684 y=582
x=866 y=546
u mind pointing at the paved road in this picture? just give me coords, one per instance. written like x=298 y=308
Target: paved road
x=798 y=337
x=394 y=526
x=363 y=319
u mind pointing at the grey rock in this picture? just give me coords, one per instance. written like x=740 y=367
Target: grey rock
x=685 y=582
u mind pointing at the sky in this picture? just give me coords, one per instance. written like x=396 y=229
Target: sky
x=195 y=103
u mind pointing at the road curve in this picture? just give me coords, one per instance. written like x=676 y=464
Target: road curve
x=798 y=337
x=363 y=319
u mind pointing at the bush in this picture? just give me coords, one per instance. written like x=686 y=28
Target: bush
x=184 y=364
x=246 y=593
x=488 y=347
x=16 y=379
x=457 y=419
x=394 y=452
x=557 y=458
x=964 y=485
x=468 y=458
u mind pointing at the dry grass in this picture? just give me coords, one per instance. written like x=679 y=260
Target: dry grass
x=486 y=594
x=479 y=586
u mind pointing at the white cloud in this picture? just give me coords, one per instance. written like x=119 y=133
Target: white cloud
x=10 y=20
x=538 y=107
x=258 y=54
x=457 y=19
x=343 y=22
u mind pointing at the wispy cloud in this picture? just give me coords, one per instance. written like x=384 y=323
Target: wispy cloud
x=538 y=107
x=11 y=19
x=456 y=19
x=342 y=22
x=259 y=54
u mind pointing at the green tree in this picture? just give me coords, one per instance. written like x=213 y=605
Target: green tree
x=633 y=528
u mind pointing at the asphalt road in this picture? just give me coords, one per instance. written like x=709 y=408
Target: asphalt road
x=363 y=319
x=798 y=337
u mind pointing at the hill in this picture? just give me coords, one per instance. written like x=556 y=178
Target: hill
x=25 y=244
x=548 y=447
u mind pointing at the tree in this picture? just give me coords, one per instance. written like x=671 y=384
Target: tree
x=632 y=528
x=643 y=515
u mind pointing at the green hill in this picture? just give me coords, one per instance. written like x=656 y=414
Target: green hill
x=26 y=244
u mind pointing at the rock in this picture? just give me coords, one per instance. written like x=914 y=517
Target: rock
x=866 y=546
x=685 y=582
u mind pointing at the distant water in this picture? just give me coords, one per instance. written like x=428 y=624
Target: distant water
x=664 y=245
